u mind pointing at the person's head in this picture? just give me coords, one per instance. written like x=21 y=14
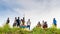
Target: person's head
x=23 y=18
x=8 y=18
x=54 y=18
x=45 y=22
x=28 y=19
x=15 y=17
x=18 y=17
x=39 y=22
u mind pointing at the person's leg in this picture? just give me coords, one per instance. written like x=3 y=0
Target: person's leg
x=29 y=27
x=55 y=25
x=18 y=25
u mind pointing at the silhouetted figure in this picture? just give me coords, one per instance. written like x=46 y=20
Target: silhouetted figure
x=23 y=21
x=42 y=23
x=28 y=23
x=15 y=22
x=8 y=21
x=38 y=25
x=45 y=24
x=18 y=22
x=54 y=22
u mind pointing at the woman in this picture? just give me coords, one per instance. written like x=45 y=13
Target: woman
x=15 y=22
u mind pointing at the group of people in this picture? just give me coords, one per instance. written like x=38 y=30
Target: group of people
x=20 y=22
x=45 y=25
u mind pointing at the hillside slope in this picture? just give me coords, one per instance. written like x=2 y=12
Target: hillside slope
x=7 y=30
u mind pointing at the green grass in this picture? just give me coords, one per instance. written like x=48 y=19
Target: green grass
x=45 y=31
x=7 y=30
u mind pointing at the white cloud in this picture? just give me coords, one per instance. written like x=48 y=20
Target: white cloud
x=35 y=9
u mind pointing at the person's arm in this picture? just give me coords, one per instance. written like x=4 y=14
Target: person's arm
x=27 y=23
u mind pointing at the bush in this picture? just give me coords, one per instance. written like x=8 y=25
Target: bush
x=7 y=30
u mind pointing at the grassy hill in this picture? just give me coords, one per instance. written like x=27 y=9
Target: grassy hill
x=7 y=30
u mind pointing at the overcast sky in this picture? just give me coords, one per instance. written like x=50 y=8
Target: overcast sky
x=36 y=10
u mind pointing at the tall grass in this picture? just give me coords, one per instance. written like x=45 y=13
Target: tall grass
x=7 y=30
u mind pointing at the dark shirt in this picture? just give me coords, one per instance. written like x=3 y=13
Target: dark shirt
x=8 y=21
x=54 y=21
x=18 y=22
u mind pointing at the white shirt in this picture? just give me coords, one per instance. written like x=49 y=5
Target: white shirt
x=28 y=23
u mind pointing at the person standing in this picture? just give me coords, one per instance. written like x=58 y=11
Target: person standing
x=42 y=23
x=39 y=25
x=54 y=22
x=15 y=22
x=23 y=21
x=18 y=22
x=28 y=23
x=45 y=25
x=8 y=21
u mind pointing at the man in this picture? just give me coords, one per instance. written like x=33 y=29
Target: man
x=8 y=21
x=18 y=22
x=28 y=23
x=54 y=22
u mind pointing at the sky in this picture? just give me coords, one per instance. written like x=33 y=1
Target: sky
x=36 y=10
